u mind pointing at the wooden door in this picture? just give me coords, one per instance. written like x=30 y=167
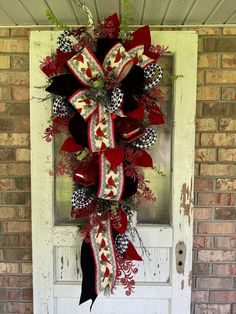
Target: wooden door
x=163 y=284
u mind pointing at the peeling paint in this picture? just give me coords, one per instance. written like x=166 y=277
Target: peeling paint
x=182 y=285
x=186 y=200
x=62 y=265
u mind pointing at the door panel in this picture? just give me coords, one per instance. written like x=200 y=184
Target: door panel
x=67 y=265
x=160 y=288
x=106 y=305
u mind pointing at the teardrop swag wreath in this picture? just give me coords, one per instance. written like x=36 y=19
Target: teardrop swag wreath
x=103 y=82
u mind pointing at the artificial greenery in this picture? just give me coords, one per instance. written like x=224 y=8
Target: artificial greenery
x=54 y=20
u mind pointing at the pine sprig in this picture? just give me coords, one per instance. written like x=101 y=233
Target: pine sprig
x=125 y=21
x=54 y=20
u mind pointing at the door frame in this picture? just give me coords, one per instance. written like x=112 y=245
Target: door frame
x=183 y=46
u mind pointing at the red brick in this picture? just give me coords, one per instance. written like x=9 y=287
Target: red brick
x=25 y=212
x=223 y=296
x=230 y=31
x=206 y=124
x=7 y=184
x=3 y=307
x=20 y=308
x=5 y=93
x=227 y=124
x=20 y=32
x=216 y=109
x=209 y=31
x=9 y=268
x=18 y=255
x=26 y=268
x=224 y=270
x=200 y=296
x=16 y=198
x=9 y=241
x=7 y=154
x=218 y=170
x=4 y=62
x=216 y=256
x=1 y=259
x=211 y=199
x=203 y=242
x=16 y=226
x=8 y=212
x=197 y=139
x=225 y=242
x=22 y=154
x=201 y=268
x=220 y=77
x=23 y=183
x=20 y=93
x=28 y=294
x=14 y=294
x=200 y=77
x=228 y=93
x=208 y=93
x=14 y=139
x=14 y=78
x=225 y=213
x=229 y=61
x=218 y=139
x=14 y=109
x=214 y=283
x=205 y=154
x=20 y=62
x=227 y=154
x=201 y=213
x=203 y=184
x=4 y=32
x=208 y=61
x=6 y=124
x=213 y=309
x=25 y=240
x=234 y=308
x=14 y=45
x=15 y=169
x=216 y=227
x=21 y=124
x=19 y=281
x=2 y=281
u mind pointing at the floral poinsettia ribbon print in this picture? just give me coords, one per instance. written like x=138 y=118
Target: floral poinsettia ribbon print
x=105 y=99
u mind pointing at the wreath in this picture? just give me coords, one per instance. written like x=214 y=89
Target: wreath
x=105 y=98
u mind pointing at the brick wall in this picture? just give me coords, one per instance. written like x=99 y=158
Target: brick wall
x=214 y=267
x=15 y=226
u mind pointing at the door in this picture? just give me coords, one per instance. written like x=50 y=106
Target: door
x=163 y=284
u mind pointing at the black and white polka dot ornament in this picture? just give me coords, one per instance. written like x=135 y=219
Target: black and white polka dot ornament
x=60 y=107
x=64 y=43
x=116 y=99
x=79 y=199
x=152 y=71
x=121 y=243
x=147 y=140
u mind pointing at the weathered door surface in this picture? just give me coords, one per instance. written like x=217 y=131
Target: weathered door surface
x=163 y=285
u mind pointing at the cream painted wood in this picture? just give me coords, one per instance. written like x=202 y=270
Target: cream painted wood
x=67 y=265
x=57 y=289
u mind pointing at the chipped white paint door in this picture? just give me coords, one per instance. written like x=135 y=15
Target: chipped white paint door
x=163 y=285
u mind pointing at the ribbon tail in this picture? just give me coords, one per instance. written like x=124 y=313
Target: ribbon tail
x=104 y=257
x=88 y=269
